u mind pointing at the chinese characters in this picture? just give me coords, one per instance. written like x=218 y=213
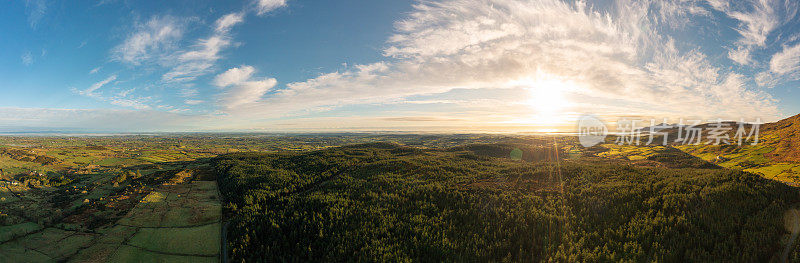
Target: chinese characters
x=687 y=132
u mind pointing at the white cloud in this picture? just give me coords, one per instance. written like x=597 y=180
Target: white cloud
x=138 y=104
x=104 y=2
x=94 y=70
x=130 y=103
x=757 y=19
x=201 y=57
x=241 y=89
x=150 y=40
x=126 y=92
x=90 y=92
x=616 y=56
x=206 y=49
x=246 y=93
x=35 y=9
x=234 y=76
x=188 y=71
x=786 y=61
x=266 y=6
x=199 y=60
x=226 y=22
x=740 y=55
x=610 y=60
x=784 y=65
x=122 y=98
x=27 y=58
x=677 y=13
x=765 y=79
x=188 y=91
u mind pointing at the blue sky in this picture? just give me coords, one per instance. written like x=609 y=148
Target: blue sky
x=463 y=65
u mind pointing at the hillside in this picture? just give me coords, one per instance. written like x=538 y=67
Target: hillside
x=784 y=136
x=776 y=156
x=383 y=202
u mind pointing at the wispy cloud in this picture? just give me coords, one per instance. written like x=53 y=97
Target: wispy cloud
x=783 y=66
x=36 y=10
x=608 y=55
x=193 y=102
x=123 y=98
x=266 y=6
x=149 y=40
x=158 y=40
x=104 y=2
x=202 y=56
x=95 y=70
x=757 y=20
x=188 y=91
x=27 y=58
x=90 y=92
x=610 y=60
x=224 y=24
x=240 y=86
x=786 y=61
x=136 y=103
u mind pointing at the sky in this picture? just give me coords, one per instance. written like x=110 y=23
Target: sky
x=392 y=65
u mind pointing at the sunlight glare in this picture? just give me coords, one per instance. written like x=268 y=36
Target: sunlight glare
x=547 y=95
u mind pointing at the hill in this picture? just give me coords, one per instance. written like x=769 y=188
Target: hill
x=383 y=202
x=775 y=156
x=784 y=135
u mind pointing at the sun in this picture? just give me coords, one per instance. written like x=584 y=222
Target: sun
x=547 y=97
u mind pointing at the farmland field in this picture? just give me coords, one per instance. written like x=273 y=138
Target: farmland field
x=131 y=198
x=365 y=197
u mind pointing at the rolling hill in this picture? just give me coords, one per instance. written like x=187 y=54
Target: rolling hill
x=775 y=156
x=384 y=202
x=784 y=136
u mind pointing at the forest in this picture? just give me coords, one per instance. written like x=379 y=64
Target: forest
x=509 y=202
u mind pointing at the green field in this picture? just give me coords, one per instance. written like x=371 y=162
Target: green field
x=362 y=197
x=172 y=223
